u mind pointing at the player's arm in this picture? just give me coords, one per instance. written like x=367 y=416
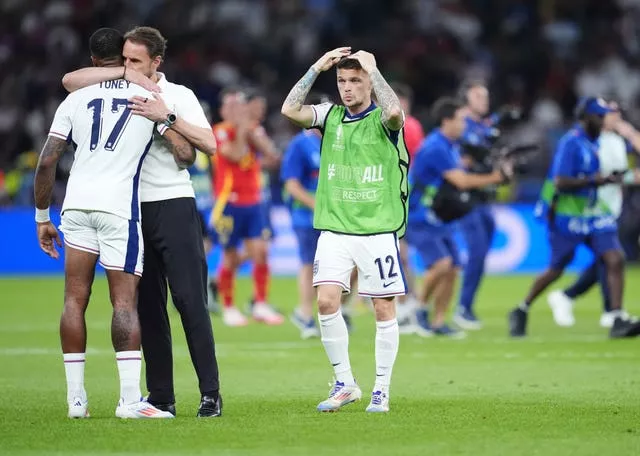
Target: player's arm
x=85 y=77
x=392 y=114
x=236 y=148
x=293 y=107
x=466 y=181
x=259 y=139
x=156 y=110
x=564 y=166
x=299 y=193
x=628 y=132
x=45 y=178
x=183 y=152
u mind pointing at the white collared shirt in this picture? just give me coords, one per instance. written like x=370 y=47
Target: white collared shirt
x=612 y=155
x=161 y=177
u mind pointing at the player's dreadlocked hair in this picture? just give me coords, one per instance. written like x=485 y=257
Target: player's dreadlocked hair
x=106 y=43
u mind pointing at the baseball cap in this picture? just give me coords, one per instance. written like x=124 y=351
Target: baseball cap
x=592 y=105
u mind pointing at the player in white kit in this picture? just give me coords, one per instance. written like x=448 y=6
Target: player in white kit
x=615 y=139
x=100 y=220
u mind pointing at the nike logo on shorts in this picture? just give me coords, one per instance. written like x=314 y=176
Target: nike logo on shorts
x=385 y=285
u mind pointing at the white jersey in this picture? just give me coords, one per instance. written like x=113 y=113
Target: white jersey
x=161 y=178
x=612 y=154
x=110 y=146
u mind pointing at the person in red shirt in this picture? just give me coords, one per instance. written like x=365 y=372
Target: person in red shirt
x=413 y=136
x=238 y=214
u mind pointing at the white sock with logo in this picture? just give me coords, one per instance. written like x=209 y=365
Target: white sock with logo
x=129 y=366
x=387 y=343
x=335 y=338
x=74 y=372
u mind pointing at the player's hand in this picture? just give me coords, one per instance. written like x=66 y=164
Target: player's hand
x=366 y=59
x=47 y=235
x=331 y=58
x=140 y=79
x=154 y=109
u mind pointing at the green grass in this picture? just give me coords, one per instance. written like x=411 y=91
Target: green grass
x=561 y=391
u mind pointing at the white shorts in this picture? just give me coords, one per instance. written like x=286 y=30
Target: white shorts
x=116 y=240
x=377 y=258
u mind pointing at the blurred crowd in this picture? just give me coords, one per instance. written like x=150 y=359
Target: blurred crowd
x=538 y=56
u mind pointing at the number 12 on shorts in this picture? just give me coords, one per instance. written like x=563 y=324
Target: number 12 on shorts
x=390 y=273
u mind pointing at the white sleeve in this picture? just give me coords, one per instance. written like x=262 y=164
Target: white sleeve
x=190 y=110
x=320 y=113
x=62 y=121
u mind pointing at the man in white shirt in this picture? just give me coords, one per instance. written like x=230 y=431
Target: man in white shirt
x=612 y=155
x=100 y=219
x=171 y=229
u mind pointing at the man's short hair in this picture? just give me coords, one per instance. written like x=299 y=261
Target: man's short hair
x=467 y=85
x=150 y=37
x=444 y=108
x=229 y=90
x=253 y=92
x=106 y=43
x=347 y=63
x=402 y=90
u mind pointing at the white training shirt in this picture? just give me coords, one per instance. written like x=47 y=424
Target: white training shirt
x=110 y=146
x=162 y=179
x=612 y=154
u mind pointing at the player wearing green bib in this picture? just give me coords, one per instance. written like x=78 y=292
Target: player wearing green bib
x=361 y=210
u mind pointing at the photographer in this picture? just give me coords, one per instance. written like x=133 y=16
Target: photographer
x=438 y=194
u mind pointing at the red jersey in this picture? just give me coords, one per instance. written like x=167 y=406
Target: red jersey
x=235 y=182
x=413 y=135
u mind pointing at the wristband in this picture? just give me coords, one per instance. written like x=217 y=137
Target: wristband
x=42 y=215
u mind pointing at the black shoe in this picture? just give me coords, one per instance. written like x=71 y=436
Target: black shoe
x=209 y=407
x=624 y=328
x=166 y=407
x=518 y=323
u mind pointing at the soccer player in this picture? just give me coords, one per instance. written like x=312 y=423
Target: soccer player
x=101 y=219
x=413 y=136
x=174 y=251
x=238 y=214
x=438 y=161
x=360 y=207
x=299 y=172
x=569 y=203
x=612 y=154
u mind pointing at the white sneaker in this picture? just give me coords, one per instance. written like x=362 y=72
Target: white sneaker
x=231 y=316
x=78 y=408
x=340 y=396
x=562 y=308
x=264 y=313
x=140 y=410
x=379 y=402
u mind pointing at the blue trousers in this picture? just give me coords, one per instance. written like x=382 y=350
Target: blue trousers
x=478 y=228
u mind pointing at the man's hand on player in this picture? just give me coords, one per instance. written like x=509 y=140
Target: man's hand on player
x=153 y=108
x=47 y=235
x=331 y=58
x=140 y=79
x=366 y=59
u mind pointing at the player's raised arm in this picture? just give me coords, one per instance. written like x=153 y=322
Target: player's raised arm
x=84 y=77
x=392 y=115
x=293 y=107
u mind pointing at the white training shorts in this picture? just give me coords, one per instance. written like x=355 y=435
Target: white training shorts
x=116 y=240
x=377 y=258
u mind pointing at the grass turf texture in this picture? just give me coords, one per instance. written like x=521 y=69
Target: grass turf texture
x=561 y=391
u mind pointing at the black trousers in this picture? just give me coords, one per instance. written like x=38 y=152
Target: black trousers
x=174 y=252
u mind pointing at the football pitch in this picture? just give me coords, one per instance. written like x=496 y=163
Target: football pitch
x=561 y=391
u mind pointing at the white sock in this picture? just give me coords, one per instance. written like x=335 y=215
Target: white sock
x=129 y=366
x=74 y=371
x=387 y=342
x=335 y=338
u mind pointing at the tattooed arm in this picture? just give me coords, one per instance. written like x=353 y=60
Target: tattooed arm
x=183 y=152
x=45 y=178
x=45 y=175
x=392 y=115
x=293 y=107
